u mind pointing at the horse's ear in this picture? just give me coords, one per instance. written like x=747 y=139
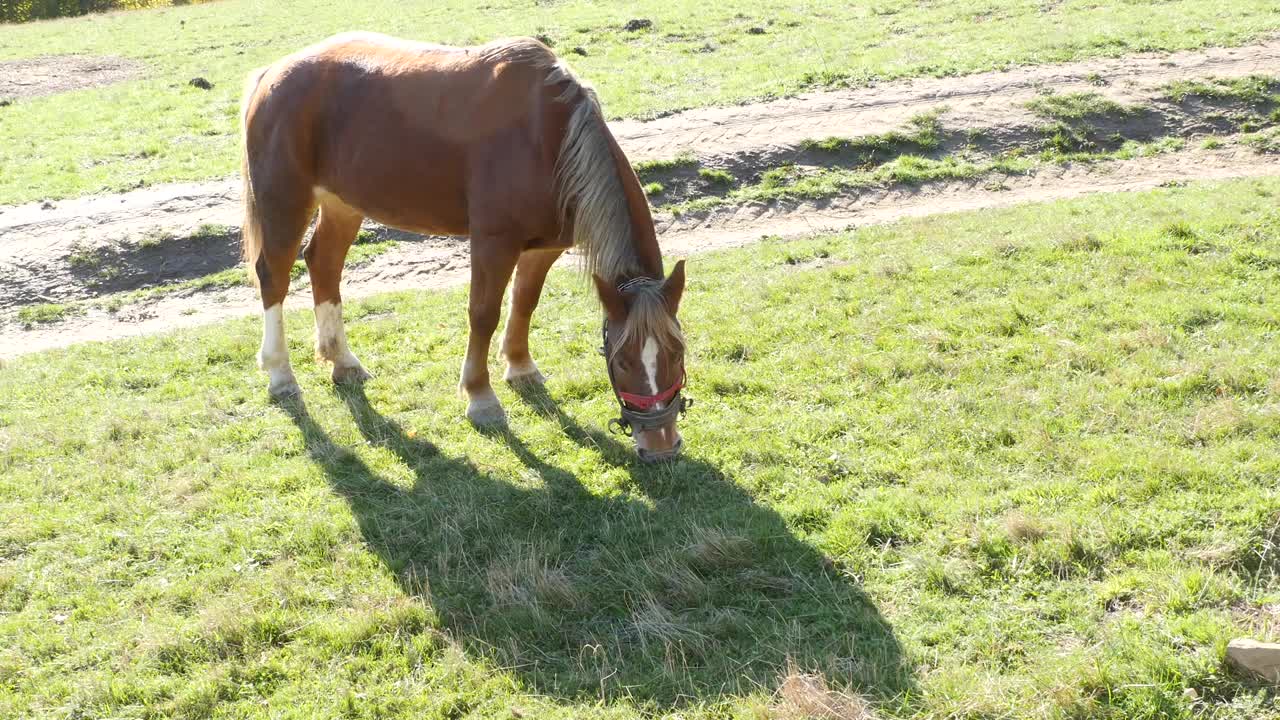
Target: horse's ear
x=673 y=287
x=614 y=306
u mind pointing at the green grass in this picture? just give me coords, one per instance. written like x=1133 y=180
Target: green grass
x=789 y=182
x=923 y=133
x=1254 y=89
x=157 y=237
x=1076 y=106
x=158 y=128
x=716 y=178
x=1128 y=150
x=1013 y=464
x=1073 y=115
x=28 y=10
x=649 y=169
x=101 y=264
x=1267 y=141
x=366 y=248
x=47 y=313
x=792 y=183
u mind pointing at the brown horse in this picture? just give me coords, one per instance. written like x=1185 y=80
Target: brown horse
x=499 y=142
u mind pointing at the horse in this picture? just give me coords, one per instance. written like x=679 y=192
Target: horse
x=501 y=143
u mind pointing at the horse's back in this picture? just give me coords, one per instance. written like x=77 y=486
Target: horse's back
x=400 y=129
x=459 y=94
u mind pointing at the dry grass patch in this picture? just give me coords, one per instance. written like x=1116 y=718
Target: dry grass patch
x=806 y=696
x=1024 y=529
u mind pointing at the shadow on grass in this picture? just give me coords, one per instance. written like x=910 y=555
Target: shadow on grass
x=679 y=589
x=163 y=259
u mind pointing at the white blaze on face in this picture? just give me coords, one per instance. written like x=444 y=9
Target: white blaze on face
x=666 y=438
x=649 y=356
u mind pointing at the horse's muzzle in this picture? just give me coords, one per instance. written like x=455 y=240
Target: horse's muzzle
x=651 y=456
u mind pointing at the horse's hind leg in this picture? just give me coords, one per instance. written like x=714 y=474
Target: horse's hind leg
x=282 y=220
x=531 y=273
x=325 y=255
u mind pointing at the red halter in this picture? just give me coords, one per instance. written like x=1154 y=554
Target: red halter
x=640 y=411
x=648 y=402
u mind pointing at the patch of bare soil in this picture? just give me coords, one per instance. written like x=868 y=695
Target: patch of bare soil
x=987 y=101
x=62 y=73
x=89 y=247
x=440 y=263
x=736 y=226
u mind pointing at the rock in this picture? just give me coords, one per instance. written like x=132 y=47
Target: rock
x=579 y=50
x=755 y=31
x=638 y=24
x=1261 y=659
x=199 y=82
x=5 y=102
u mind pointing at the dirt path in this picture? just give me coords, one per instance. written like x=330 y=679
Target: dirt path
x=986 y=101
x=30 y=77
x=428 y=265
x=39 y=243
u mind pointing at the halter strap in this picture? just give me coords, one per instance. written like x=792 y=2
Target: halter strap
x=647 y=402
x=638 y=411
x=633 y=283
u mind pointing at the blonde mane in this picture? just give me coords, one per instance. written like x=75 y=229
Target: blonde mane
x=649 y=316
x=588 y=185
x=591 y=195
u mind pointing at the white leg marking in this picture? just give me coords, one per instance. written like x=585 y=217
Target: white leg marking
x=649 y=356
x=483 y=406
x=331 y=344
x=469 y=370
x=523 y=372
x=331 y=337
x=273 y=356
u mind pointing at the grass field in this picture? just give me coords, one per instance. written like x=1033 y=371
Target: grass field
x=1014 y=464
x=158 y=128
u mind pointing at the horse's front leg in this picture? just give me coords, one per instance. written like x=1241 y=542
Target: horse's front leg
x=492 y=260
x=531 y=273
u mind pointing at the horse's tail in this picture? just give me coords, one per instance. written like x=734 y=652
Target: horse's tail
x=251 y=232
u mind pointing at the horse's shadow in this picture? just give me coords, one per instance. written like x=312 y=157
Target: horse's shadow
x=679 y=588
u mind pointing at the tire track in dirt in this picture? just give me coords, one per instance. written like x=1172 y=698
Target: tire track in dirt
x=37 y=240
x=425 y=266
x=981 y=101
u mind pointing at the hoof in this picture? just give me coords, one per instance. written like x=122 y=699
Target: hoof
x=284 y=389
x=486 y=414
x=525 y=376
x=352 y=375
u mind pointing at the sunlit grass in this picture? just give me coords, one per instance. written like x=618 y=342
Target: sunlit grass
x=1003 y=464
x=159 y=128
